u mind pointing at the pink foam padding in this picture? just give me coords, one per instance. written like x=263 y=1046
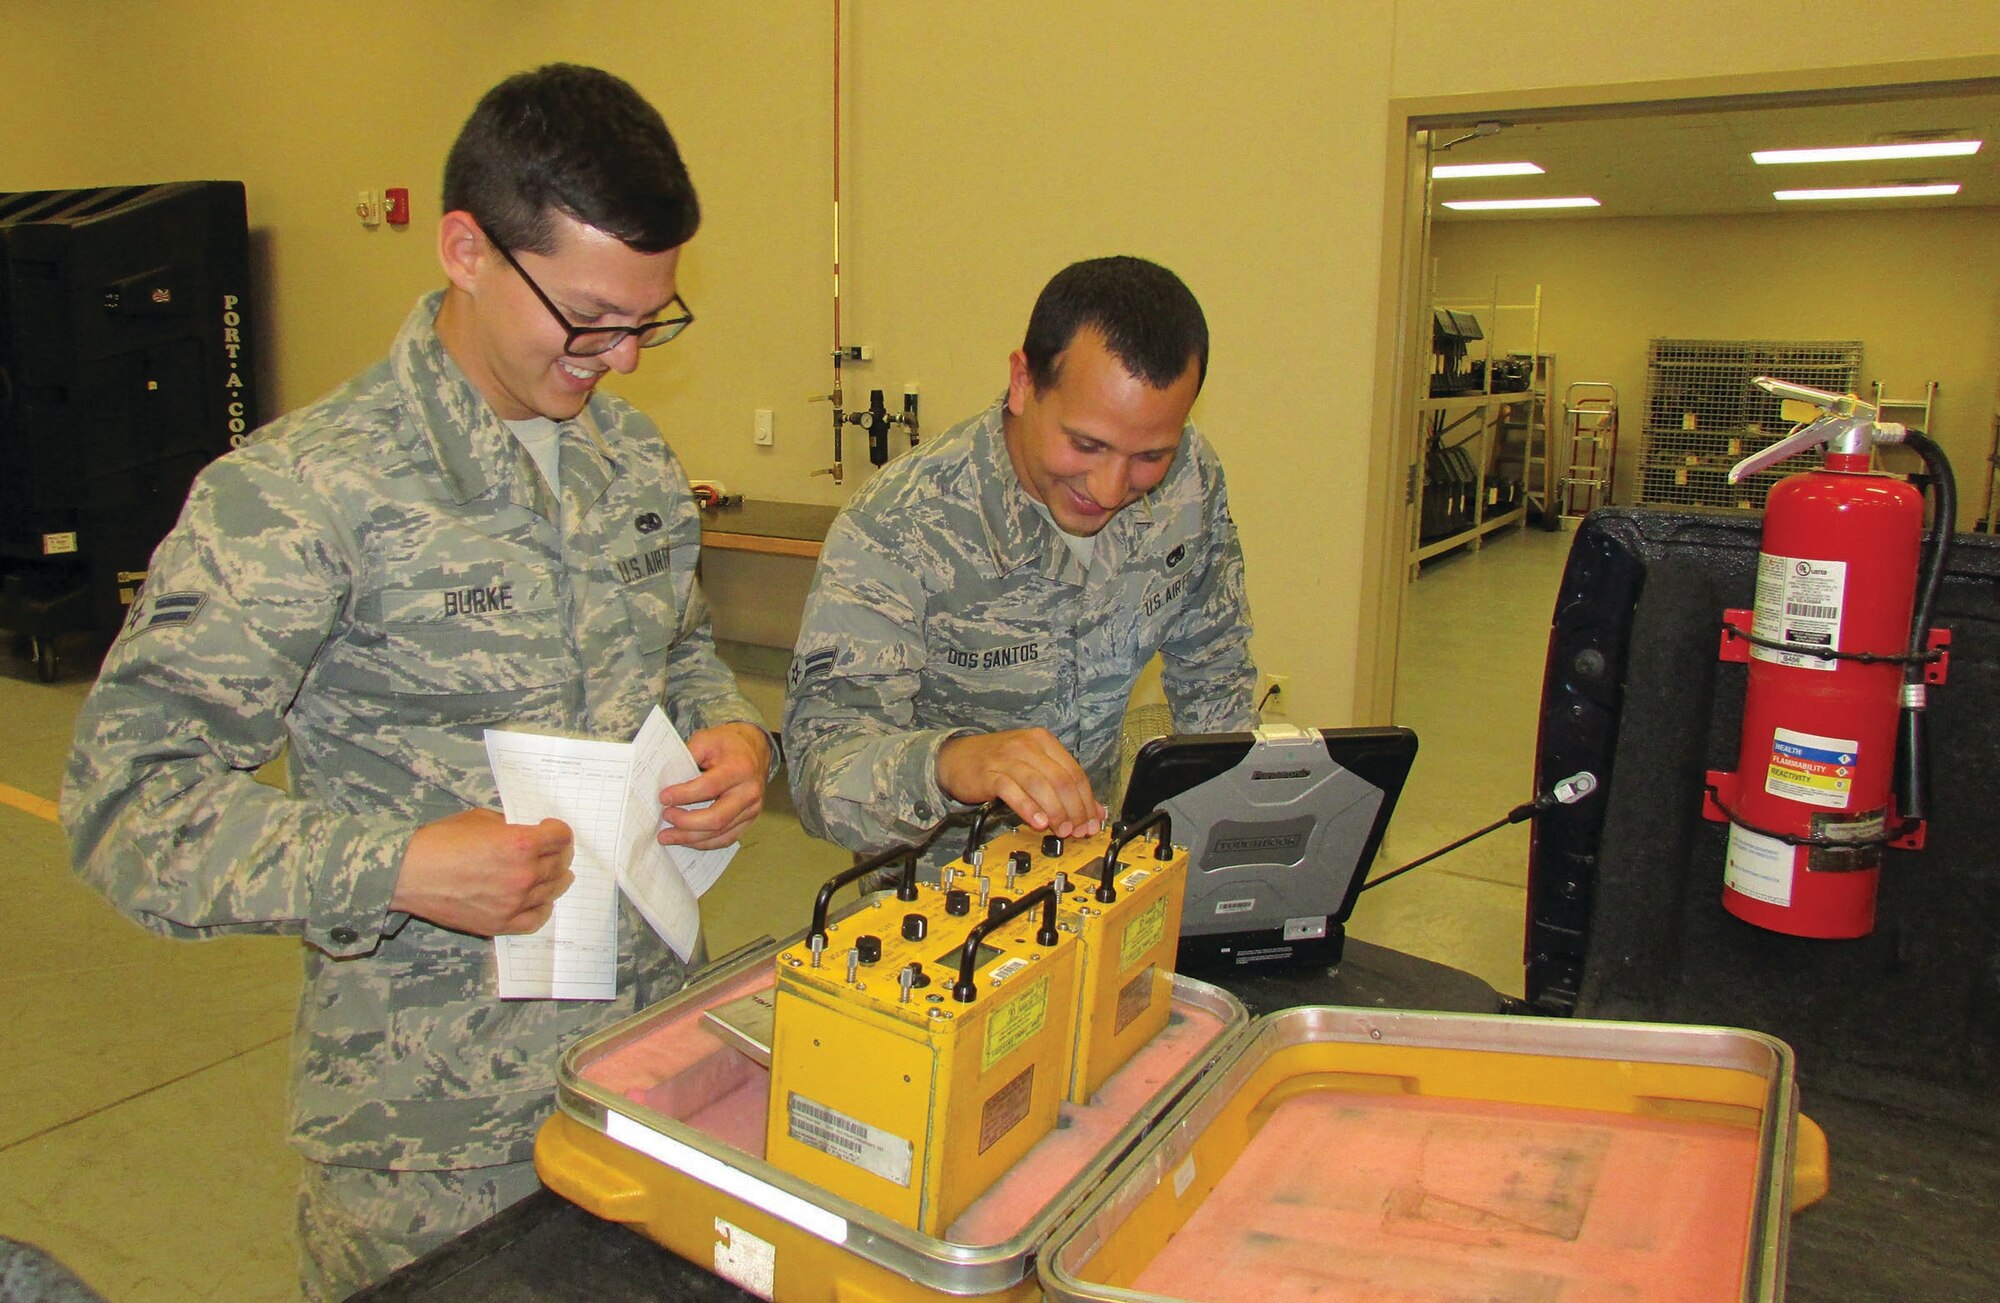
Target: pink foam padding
x=1082 y=1133
x=1344 y=1196
x=673 y=1047
x=737 y=1117
x=679 y=1068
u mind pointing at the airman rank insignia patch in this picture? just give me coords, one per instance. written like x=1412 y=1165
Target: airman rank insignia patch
x=167 y=610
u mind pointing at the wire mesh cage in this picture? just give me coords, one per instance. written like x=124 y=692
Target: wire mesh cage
x=1703 y=414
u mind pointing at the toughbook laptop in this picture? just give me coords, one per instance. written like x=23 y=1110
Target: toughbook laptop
x=1281 y=826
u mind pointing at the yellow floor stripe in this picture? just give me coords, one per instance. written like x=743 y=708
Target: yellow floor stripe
x=21 y=800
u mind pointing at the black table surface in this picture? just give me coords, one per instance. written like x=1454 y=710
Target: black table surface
x=1916 y=1180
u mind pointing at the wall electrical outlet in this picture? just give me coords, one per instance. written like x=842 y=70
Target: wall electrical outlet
x=760 y=430
x=1274 y=695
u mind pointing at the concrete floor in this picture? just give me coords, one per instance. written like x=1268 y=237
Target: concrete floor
x=141 y=1099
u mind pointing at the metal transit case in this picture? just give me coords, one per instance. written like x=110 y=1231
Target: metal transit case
x=661 y=1125
x=1365 y=1154
x=1281 y=825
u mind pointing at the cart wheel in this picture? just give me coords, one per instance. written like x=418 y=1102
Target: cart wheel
x=43 y=652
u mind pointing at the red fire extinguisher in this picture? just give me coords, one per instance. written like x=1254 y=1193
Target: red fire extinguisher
x=1832 y=765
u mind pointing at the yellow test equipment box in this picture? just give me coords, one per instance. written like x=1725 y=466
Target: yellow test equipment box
x=1127 y=919
x=920 y=1048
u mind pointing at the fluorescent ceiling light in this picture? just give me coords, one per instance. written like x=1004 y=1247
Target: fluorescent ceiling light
x=1870 y=192
x=1579 y=201
x=1871 y=153
x=1485 y=169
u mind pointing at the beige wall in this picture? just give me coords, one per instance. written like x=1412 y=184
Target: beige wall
x=1249 y=146
x=1919 y=288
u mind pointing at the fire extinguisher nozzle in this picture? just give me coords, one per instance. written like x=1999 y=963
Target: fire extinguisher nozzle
x=1912 y=765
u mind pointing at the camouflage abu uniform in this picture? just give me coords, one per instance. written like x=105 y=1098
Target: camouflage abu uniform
x=946 y=603
x=376 y=580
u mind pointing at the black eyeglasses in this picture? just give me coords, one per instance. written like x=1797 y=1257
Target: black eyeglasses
x=591 y=341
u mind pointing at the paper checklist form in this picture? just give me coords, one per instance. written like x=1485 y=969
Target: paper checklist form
x=608 y=793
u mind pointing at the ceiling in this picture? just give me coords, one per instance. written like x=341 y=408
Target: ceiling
x=1683 y=163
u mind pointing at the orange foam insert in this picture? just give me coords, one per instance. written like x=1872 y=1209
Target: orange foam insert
x=1398 y=1199
x=682 y=1070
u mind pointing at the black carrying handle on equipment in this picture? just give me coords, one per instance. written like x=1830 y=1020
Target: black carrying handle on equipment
x=862 y=870
x=906 y=888
x=1122 y=836
x=964 y=990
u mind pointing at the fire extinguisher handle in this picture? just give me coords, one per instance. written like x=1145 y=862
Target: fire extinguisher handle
x=1826 y=399
x=1824 y=430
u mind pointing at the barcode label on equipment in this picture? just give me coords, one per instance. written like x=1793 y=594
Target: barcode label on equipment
x=1816 y=612
x=1004 y=971
x=834 y=1133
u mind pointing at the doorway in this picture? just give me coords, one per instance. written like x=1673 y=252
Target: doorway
x=1686 y=240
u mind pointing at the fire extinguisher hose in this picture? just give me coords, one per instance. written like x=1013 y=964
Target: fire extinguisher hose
x=1912 y=780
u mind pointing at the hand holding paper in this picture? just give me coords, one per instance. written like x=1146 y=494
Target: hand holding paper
x=713 y=806
x=607 y=793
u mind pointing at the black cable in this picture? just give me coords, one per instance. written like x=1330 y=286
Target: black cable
x=1567 y=792
x=1514 y=815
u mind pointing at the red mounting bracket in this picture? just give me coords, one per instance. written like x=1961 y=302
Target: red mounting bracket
x=1734 y=647
x=1939 y=641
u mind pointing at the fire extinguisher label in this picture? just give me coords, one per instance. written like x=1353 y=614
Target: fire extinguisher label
x=1759 y=867
x=1811 y=769
x=1798 y=602
x=1860 y=826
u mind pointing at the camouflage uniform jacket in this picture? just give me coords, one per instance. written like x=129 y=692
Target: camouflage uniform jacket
x=375 y=581
x=947 y=604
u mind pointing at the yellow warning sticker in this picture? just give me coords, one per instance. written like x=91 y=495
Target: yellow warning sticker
x=1134 y=998
x=1015 y=1023
x=1006 y=1108
x=1146 y=928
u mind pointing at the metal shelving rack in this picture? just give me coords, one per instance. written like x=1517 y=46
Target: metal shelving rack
x=1527 y=435
x=1703 y=414
x=1526 y=410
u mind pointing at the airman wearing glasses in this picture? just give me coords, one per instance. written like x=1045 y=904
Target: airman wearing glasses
x=468 y=535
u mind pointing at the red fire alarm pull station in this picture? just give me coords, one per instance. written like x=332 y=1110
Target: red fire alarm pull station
x=396 y=206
